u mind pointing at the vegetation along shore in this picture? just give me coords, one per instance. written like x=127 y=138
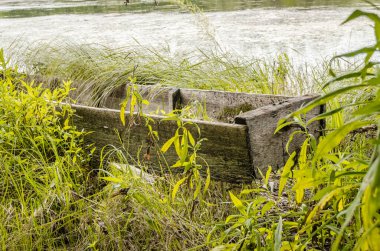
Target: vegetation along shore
x=326 y=196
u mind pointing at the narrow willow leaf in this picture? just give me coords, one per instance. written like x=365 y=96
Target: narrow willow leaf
x=319 y=195
x=369 y=110
x=191 y=139
x=112 y=179
x=179 y=164
x=334 y=138
x=303 y=155
x=197 y=189
x=355 y=53
x=359 y=13
x=325 y=98
x=248 y=191
x=184 y=147
x=167 y=144
x=325 y=115
x=177 y=146
x=132 y=105
x=291 y=137
x=281 y=124
x=170 y=118
x=277 y=235
x=299 y=195
x=285 y=173
x=176 y=187
x=343 y=77
x=268 y=206
x=267 y=175
x=320 y=205
x=231 y=217
x=237 y=203
x=208 y=181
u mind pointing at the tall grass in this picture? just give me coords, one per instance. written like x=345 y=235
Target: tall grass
x=100 y=70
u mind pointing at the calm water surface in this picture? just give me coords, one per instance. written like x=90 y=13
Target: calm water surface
x=308 y=30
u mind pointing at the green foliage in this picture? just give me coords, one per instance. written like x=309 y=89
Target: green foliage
x=186 y=148
x=345 y=186
x=42 y=163
x=246 y=229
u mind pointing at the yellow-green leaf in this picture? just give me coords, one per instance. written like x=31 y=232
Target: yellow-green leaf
x=112 y=179
x=167 y=144
x=334 y=138
x=237 y=203
x=286 y=172
x=176 y=187
x=207 y=182
x=191 y=139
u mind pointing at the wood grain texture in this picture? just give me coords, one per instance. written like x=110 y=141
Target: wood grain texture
x=225 y=150
x=267 y=148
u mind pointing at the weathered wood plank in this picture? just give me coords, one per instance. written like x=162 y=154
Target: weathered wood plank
x=224 y=106
x=226 y=149
x=267 y=148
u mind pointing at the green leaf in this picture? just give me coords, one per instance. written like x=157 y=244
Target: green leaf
x=207 y=182
x=123 y=107
x=112 y=179
x=168 y=143
x=291 y=137
x=286 y=173
x=184 y=147
x=177 y=146
x=277 y=235
x=176 y=187
x=266 y=208
x=369 y=110
x=303 y=155
x=343 y=77
x=355 y=53
x=359 y=13
x=325 y=115
x=191 y=139
x=197 y=190
x=179 y=164
x=267 y=176
x=334 y=138
x=281 y=124
x=325 y=98
x=237 y=203
x=132 y=104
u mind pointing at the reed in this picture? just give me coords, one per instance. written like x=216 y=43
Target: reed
x=100 y=70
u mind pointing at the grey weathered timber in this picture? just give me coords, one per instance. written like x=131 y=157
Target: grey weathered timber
x=234 y=152
x=224 y=106
x=267 y=148
x=220 y=105
x=225 y=150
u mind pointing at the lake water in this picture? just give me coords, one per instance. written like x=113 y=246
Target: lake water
x=307 y=30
